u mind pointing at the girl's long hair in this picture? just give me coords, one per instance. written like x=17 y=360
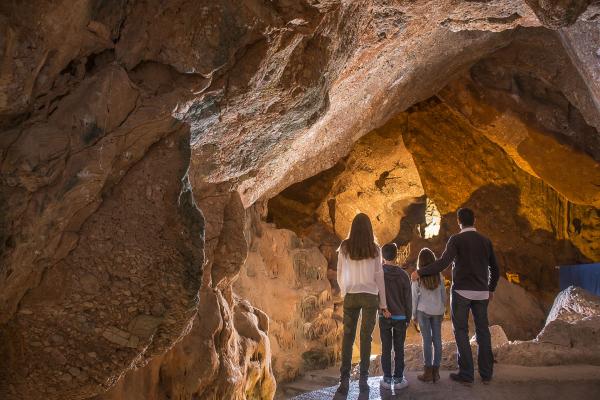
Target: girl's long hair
x=426 y=257
x=361 y=243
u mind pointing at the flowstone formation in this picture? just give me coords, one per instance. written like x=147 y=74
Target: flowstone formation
x=121 y=120
x=286 y=277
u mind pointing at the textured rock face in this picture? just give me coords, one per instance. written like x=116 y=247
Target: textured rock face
x=557 y=14
x=77 y=339
x=510 y=202
x=286 y=277
x=391 y=55
x=570 y=335
x=522 y=325
x=101 y=242
x=102 y=256
x=235 y=367
x=524 y=98
x=378 y=177
x=227 y=353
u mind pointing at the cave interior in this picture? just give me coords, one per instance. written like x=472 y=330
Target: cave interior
x=177 y=176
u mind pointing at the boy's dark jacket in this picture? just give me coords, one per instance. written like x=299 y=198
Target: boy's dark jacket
x=397 y=291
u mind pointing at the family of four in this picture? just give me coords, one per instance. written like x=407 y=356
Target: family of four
x=374 y=287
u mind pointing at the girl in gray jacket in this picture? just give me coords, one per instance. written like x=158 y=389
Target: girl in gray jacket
x=429 y=305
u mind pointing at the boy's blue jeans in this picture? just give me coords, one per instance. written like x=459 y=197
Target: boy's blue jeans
x=393 y=333
x=431 y=331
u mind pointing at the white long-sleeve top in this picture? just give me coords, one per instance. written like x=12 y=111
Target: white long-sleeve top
x=361 y=276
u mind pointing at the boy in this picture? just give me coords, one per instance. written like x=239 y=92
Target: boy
x=392 y=324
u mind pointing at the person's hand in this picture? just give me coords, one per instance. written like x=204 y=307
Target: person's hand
x=491 y=296
x=415 y=325
x=414 y=276
x=386 y=313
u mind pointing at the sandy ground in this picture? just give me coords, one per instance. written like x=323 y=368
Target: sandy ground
x=510 y=382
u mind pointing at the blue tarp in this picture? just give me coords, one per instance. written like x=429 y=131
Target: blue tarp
x=586 y=276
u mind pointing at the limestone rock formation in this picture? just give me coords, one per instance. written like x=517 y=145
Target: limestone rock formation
x=557 y=14
x=521 y=325
x=287 y=278
x=378 y=177
x=112 y=112
x=226 y=353
x=524 y=98
x=391 y=56
x=236 y=367
x=122 y=287
x=570 y=335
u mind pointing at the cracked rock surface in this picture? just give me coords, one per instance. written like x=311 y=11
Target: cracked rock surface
x=136 y=134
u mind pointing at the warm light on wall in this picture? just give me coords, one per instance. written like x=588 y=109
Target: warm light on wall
x=433 y=220
x=513 y=277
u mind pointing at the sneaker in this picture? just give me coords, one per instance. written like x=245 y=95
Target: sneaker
x=458 y=378
x=386 y=383
x=400 y=383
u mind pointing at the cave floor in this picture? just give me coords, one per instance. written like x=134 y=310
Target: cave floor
x=510 y=382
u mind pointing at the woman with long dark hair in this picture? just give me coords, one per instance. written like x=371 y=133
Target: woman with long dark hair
x=429 y=305
x=360 y=276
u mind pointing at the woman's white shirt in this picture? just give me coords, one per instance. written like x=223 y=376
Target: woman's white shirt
x=361 y=276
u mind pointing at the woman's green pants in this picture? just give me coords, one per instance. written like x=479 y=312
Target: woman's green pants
x=354 y=303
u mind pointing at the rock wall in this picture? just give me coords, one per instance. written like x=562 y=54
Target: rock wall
x=568 y=337
x=226 y=353
x=510 y=203
x=286 y=123
x=286 y=277
x=378 y=178
x=125 y=287
x=101 y=104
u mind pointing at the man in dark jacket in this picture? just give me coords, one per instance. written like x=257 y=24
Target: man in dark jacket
x=393 y=323
x=474 y=278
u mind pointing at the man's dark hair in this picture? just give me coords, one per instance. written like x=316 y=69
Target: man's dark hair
x=389 y=252
x=466 y=216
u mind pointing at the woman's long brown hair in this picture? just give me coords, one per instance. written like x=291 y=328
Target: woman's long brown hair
x=360 y=244
x=426 y=257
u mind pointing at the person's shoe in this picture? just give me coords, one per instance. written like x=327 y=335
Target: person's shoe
x=457 y=378
x=344 y=386
x=386 y=383
x=400 y=383
x=435 y=374
x=363 y=383
x=427 y=375
x=486 y=381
